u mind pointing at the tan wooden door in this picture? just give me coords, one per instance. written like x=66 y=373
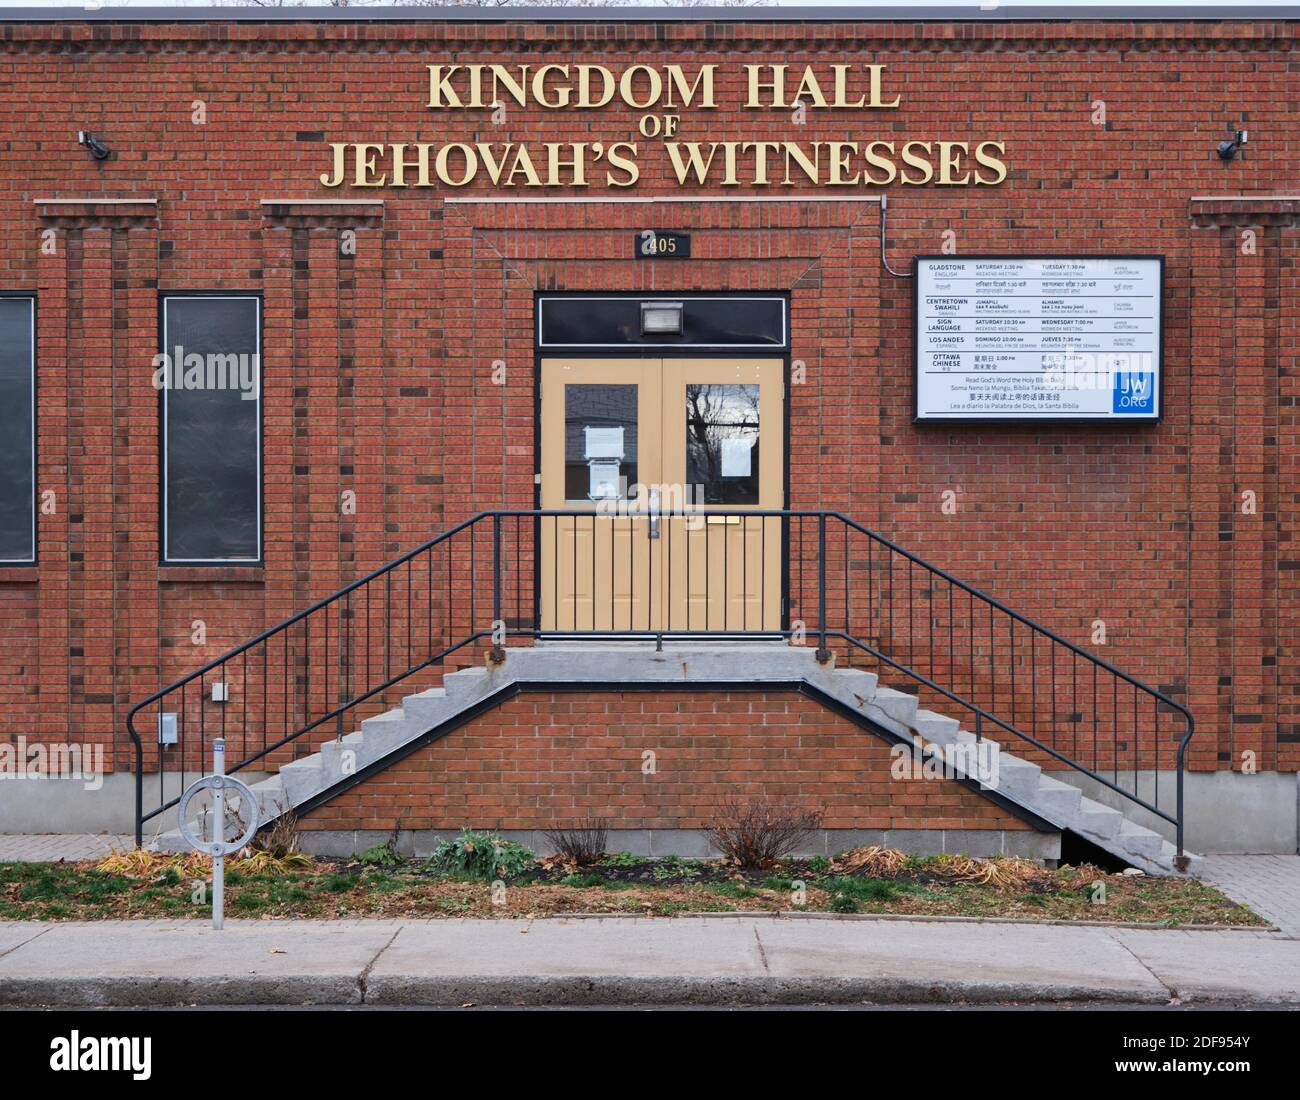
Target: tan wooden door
x=600 y=570
x=723 y=440
x=624 y=440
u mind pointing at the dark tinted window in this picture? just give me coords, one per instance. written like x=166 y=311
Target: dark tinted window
x=212 y=429
x=17 y=403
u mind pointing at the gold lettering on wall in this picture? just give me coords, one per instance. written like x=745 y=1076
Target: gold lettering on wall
x=655 y=95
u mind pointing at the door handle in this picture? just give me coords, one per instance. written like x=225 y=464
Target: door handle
x=652 y=528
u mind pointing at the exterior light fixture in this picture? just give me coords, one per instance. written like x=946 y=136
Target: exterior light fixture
x=661 y=318
x=97 y=148
x=1229 y=149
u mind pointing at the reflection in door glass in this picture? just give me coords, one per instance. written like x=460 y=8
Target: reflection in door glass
x=722 y=442
x=600 y=441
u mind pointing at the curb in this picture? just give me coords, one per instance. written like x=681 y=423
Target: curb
x=933 y=918
x=461 y=991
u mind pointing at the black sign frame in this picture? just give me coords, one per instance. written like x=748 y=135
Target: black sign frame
x=1036 y=421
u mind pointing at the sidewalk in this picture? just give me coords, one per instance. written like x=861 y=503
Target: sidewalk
x=610 y=961
x=1270 y=885
x=52 y=847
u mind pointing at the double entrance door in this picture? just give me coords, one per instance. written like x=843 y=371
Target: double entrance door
x=665 y=463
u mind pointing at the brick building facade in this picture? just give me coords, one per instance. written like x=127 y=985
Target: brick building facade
x=398 y=326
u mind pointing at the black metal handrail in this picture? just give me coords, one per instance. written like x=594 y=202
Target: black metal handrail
x=717 y=572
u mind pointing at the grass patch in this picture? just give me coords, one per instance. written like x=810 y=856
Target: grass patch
x=588 y=881
x=163 y=888
x=731 y=889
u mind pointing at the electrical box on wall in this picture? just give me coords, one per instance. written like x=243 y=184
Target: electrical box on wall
x=167 y=729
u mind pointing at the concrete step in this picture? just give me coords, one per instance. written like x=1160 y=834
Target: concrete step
x=859 y=683
x=935 y=727
x=332 y=752
x=385 y=732
x=1139 y=840
x=302 y=779
x=465 y=682
x=898 y=705
x=1098 y=821
x=425 y=705
x=1056 y=801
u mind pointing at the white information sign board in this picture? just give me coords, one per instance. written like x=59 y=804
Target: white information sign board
x=1038 y=337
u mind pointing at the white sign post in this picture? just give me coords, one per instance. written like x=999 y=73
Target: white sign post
x=1022 y=338
x=219 y=783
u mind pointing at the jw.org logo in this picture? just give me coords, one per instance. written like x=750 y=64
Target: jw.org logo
x=1134 y=392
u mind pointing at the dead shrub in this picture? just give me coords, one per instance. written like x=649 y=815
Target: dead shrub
x=1001 y=872
x=756 y=833
x=873 y=861
x=281 y=838
x=582 y=844
x=275 y=849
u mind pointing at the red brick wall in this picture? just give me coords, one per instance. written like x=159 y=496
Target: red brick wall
x=378 y=366
x=544 y=759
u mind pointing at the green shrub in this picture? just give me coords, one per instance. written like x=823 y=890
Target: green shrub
x=676 y=867
x=481 y=856
x=381 y=855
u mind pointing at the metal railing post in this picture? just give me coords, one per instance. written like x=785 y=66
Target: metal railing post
x=344 y=626
x=498 y=653
x=139 y=791
x=823 y=654
x=1180 y=856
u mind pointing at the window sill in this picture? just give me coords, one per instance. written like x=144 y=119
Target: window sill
x=19 y=574
x=201 y=574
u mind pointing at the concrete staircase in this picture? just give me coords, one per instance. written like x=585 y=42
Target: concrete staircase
x=618 y=663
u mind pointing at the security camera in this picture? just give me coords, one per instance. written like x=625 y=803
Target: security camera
x=97 y=148
x=1228 y=149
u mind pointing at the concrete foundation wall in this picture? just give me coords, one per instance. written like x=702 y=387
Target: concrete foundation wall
x=69 y=805
x=694 y=843
x=1226 y=811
